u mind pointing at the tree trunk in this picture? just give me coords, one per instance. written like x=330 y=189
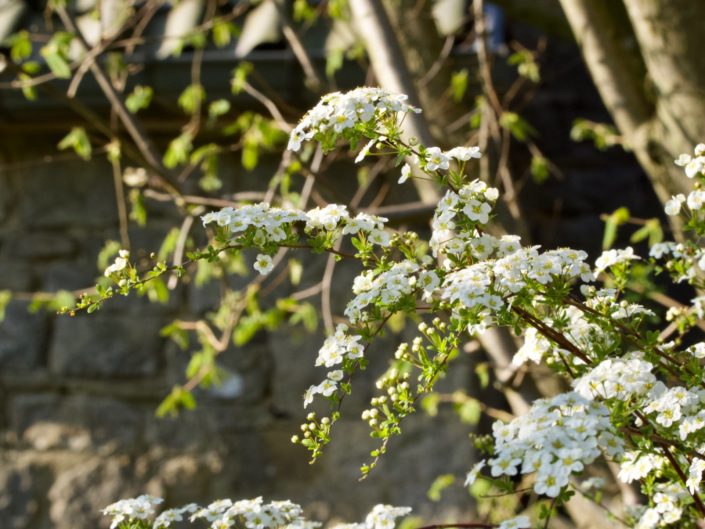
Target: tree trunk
x=646 y=59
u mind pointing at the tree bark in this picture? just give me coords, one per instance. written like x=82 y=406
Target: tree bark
x=392 y=73
x=650 y=73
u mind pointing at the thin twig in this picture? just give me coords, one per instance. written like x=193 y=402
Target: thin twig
x=120 y=199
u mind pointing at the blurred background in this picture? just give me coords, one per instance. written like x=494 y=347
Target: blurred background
x=124 y=121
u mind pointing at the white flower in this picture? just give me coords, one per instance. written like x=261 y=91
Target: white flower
x=695 y=167
x=380 y=238
x=637 y=465
x=613 y=257
x=683 y=160
x=471 y=476
x=673 y=206
x=464 y=153
x=649 y=520
x=336 y=376
x=311 y=392
x=365 y=151
x=405 y=173
x=520 y=522
x=478 y=211
x=263 y=264
x=121 y=262
x=435 y=159
x=384 y=516
x=696 y=199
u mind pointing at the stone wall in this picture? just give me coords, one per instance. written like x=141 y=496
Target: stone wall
x=78 y=394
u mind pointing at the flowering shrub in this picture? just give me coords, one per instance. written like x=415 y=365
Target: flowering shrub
x=139 y=513
x=636 y=401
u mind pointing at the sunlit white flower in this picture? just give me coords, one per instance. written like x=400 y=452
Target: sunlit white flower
x=263 y=264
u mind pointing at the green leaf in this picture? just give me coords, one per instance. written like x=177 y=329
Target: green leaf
x=178 y=151
x=223 y=32
x=57 y=64
x=5 y=297
x=239 y=78
x=176 y=400
x=138 y=213
x=303 y=12
x=439 y=484
x=139 y=99
x=517 y=126
x=469 y=411
x=157 y=291
x=191 y=98
x=20 y=46
x=459 y=84
x=482 y=372
x=430 y=403
x=218 y=108
x=334 y=62
x=539 y=169
x=612 y=222
x=174 y=332
x=77 y=140
x=29 y=92
x=651 y=229
x=296 y=270
x=250 y=155
x=55 y=53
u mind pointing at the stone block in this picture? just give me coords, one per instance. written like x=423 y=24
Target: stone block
x=78 y=423
x=16 y=275
x=106 y=345
x=78 y=493
x=40 y=245
x=22 y=338
x=21 y=492
x=76 y=193
x=68 y=275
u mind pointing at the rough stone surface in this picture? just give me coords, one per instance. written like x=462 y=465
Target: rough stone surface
x=16 y=275
x=40 y=245
x=22 y=338
x=76 y=492
x=20 y=494
x=79 y=423
x=83 y=197
x=100 y=346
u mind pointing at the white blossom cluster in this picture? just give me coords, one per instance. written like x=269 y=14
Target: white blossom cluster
x=270 y=221
x=140 y=508
x=384 y=288
x=248 y=514
x=583 y=334
x=693 y=166
x=338 y=112
x=474 y=201
x=120 y=263
x=273 y=225
x=668 y=503
x=554 y=440
x=613 y=257
x=622 y=379
x=692 y=257
x=252 y=514
x=338 y=347
x=487 y=284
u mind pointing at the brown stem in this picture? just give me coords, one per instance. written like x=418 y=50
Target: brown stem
x=552 y=334
x=133 y=128
x=674 y=463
